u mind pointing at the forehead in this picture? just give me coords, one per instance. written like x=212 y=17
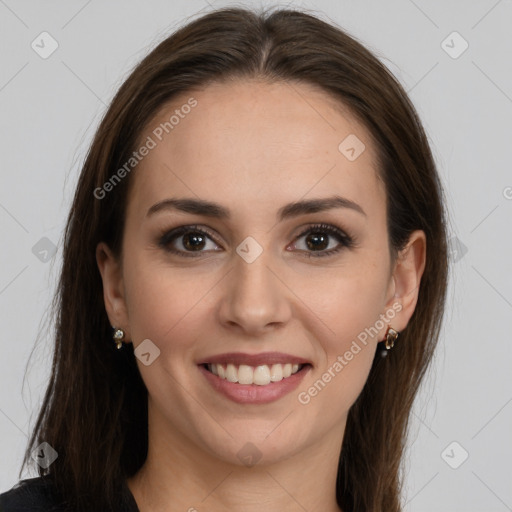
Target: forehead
x=251 y=141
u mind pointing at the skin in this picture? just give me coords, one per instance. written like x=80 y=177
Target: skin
x=253 y=147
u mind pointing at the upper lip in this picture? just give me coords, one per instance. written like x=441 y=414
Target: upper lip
x=268 y=358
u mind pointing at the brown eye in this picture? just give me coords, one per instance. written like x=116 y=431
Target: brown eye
x=318 y=238
x=193 y=241
x=317 y=241
x=187 y=240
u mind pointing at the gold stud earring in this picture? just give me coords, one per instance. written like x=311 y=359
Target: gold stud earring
x=391 y=336
x=118 y=337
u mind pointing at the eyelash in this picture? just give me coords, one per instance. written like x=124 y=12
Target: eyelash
x=345 y=240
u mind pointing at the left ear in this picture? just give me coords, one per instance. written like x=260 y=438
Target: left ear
x=406 y=277
x=113 y=288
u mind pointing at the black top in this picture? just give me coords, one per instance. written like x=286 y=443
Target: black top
x=36 y=495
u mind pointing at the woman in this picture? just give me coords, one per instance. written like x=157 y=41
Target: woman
x=259 y=221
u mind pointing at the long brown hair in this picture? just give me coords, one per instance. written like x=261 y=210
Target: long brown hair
x=94 y=412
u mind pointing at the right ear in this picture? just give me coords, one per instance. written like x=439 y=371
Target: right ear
x=113 y=288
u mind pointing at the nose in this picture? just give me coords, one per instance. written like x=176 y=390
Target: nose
x=255 y=299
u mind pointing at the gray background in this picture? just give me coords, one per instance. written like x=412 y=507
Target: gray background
x=50 y=109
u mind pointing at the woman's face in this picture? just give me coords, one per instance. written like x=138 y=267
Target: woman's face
x=251 y=282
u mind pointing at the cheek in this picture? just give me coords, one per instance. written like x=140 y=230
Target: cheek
x=345 y=301
x=352 y=314
x=164 y=303
x=350 y=309
x=337 y=387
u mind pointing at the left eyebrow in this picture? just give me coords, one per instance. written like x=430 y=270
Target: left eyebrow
x=217 y=211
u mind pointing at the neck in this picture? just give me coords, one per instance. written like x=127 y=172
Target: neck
x=180 y=476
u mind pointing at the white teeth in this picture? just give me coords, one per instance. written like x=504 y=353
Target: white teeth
x=259 y=375
x=276 y=372
x=245 y=374
x=231 y=373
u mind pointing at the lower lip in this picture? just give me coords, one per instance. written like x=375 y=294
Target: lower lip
x=252 y=393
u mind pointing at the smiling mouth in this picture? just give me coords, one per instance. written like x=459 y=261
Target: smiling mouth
x=261 y=375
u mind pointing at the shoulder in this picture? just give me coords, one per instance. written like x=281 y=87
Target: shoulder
x=32 y=494
x=38 y=495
